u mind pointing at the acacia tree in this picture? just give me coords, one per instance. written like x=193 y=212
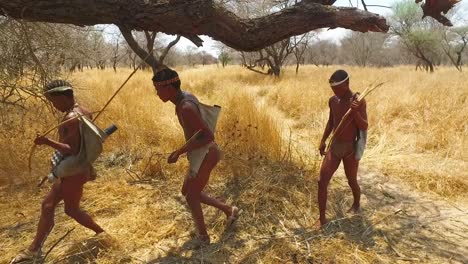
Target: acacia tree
x=201 y=17
x=224 y=55
x=454 y=45
x=420 y=37
x=274 y=56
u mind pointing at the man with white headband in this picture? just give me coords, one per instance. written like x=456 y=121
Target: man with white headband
x=69 y=189
x=343 y=147
x=198 y=122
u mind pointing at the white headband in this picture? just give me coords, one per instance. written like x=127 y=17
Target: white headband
x=340 y=82
x=58 y=89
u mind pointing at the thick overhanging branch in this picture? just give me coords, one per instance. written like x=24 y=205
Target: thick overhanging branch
x=198 y=17
x=435 y=8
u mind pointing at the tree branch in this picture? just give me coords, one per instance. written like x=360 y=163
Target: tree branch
x=379 y=6
x=144 y=55
x=364 y=5
x=257 y=71
x=198 y=17
x=168 y=48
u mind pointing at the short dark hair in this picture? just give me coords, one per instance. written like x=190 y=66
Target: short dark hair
x=167 y=74
x=58 y=83
x=338 y=76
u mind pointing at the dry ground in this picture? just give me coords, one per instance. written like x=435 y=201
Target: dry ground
x=413 y=176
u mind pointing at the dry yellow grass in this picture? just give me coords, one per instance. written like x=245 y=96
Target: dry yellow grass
x=418 y=125
x=417 y=134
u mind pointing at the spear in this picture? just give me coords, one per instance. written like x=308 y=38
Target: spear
x=33 y=148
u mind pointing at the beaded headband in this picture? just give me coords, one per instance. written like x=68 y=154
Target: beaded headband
x=166 y=82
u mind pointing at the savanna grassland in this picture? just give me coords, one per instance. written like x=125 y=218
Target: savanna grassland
x=414 y=174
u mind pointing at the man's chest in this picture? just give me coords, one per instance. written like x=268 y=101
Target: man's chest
x=339 y=108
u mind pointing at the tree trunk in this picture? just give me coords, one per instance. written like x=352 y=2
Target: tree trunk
x=167 y=49
x=143 y=54
x=198 y=17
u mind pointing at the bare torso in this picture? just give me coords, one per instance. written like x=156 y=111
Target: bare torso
x=189 y=126
x=338 y=109
x=69 y=133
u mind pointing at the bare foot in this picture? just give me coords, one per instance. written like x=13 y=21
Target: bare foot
x=320 y=223
x=27 y=256
x=355 y=209
x=232 y=217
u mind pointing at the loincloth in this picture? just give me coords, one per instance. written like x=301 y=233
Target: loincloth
x=342 y=149
x=196 y=157
x=68 y=165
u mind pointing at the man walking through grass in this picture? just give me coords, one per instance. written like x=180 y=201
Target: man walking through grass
x=202 y=151
x=69 y=189
x=347 y=141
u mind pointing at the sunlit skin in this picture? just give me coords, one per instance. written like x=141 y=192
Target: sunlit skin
x=69 y=189
x=339 y=105
x=192 y=189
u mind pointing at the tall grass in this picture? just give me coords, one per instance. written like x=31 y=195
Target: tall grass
x=417 y=121
x=418 y=131
x=418 y=126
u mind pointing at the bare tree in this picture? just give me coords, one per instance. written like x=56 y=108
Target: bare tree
x=116 y=52
x=97 y=52
x=190 y=55
x=454 y=45
x=164 y=51
x=32 y=54
x=273 y=56
x=224 y=56
x=363 y=48
x=322 y=53
x=300 y=44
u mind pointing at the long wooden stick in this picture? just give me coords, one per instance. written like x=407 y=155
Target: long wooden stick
x=33 y=148
x=150 y=53
x=68 y=120
x=118 y=90
x=191 y=139
x=338 y=129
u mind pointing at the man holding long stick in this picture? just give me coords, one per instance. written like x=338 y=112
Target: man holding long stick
x=69 y=189
x=344 y=141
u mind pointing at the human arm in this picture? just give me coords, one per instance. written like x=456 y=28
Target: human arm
x=327 y=131
x=69 y=132
x=359 y=113
x=202 y=134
